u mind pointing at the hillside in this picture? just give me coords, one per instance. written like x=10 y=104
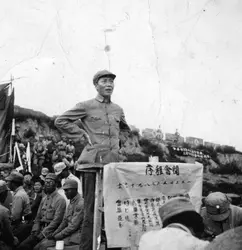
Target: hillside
x=222 y=171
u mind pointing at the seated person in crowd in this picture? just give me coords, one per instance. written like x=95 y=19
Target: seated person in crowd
x=219 y=215
x=21 y=217
x=49 y=216
x=70 y=228
x=28 y=185
x=63 y=172
x=44 y=173
x=181 y=225
x=7 y=239
x=38 y=195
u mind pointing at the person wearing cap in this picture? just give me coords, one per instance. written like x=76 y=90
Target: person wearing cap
x=21 y=204
x=181 y=225
x=39 y=155
x=70 y=227
x=38 y=195
x=219 y=214
x=70 y=148
x=49 y=216
x=62 y=170
x=28 y=185
x=7 y=239
x=99 y=121
x=50 y=148
x=44 y=173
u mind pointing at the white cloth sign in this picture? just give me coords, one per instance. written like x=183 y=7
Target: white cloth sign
x=133 y=193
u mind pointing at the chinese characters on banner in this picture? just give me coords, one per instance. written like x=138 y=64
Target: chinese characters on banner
x=133 y=193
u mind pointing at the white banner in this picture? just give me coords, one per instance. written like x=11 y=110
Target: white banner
x=133 y=193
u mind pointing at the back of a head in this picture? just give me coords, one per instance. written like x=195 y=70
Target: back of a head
x=229 y=240
x=181 y=210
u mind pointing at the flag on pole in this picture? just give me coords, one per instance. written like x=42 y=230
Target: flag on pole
x=6 y=116
x=28 y=157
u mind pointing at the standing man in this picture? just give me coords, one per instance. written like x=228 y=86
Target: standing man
x=20 y=208
x=101 y=120
x=39 y=155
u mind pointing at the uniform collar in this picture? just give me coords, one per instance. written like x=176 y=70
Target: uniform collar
x=69 y=176
x=101 y=99
x=52 y=194
x=180 y=226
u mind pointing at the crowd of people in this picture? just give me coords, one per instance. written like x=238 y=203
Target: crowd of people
x=45 y=151
x=44 y=203
x=218 y=226
x=34 y=214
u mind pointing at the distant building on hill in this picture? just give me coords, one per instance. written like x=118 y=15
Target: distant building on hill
x=173 y=138
x=193 y=141
x=211 y=144
x=152 y=134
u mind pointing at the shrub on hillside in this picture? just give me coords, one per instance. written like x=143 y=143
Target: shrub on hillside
x=136 y=158
x=149 y=148
x=229 y=168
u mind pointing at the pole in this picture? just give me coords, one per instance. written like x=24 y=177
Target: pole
x=97 y=215
x=11 y=140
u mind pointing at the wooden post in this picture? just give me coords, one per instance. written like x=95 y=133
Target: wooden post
x=97 y=214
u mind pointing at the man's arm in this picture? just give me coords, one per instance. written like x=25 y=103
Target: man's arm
x=74 y=224
x=36 y=226
x=124 y=127
x=61 y=226
x=60 y=209
x=66 y=122
x=17 y=209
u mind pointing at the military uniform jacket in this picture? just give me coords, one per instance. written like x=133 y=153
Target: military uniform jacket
x=234 y=220
x=72 y=222
x=102 y=122
x=50 y=214
x=20 y=205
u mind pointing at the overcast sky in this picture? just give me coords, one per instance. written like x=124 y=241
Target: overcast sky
x=178 y=62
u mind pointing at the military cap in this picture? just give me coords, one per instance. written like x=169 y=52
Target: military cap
x=3 y=186
x=174 y=207
x=44 y=171
x=217 y=206
x=70 y=183
x=15 y=177
x=59 y=167
x=101 y=74
x=51 y=176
